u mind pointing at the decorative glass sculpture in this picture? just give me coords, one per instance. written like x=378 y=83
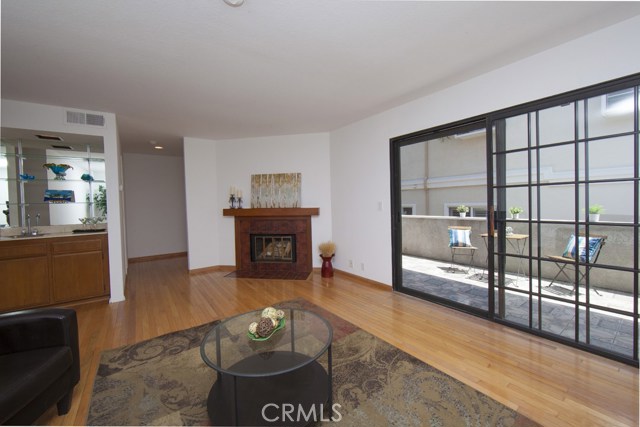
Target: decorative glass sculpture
x=59 y=196
x=59 y=169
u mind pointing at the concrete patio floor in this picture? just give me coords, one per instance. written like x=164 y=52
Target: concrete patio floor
x=610 y=331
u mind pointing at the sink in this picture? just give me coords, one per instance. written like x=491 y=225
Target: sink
x=26 y=236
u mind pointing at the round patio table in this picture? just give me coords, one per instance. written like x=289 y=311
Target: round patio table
x=278 y=381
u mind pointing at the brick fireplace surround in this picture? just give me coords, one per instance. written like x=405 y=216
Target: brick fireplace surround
x=274 y=221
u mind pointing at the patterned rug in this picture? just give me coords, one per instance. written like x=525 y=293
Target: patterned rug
x=163 y=381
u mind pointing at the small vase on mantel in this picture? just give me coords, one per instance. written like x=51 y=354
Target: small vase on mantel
x=327 y=267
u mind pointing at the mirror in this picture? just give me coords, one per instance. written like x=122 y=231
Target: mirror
x=52 y=178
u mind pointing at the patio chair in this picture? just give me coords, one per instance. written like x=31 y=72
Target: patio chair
x=460 y=244
x=587 y=257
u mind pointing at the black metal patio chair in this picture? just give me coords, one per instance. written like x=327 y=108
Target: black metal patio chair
x=587 y=257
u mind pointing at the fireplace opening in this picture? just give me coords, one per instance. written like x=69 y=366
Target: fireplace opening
x=273 y=248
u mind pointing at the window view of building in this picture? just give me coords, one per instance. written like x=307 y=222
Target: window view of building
x=440 y=174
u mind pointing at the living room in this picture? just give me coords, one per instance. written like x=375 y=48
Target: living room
x=345 y=173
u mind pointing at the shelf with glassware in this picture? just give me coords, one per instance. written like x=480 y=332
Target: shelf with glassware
x=59 y=189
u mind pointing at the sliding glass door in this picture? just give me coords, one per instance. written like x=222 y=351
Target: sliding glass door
x=572 y=169
x=529 y=217
x=442 y=224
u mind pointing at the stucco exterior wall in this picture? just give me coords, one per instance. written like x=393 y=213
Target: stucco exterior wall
x=427 y=237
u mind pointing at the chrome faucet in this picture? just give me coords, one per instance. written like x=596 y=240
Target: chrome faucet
x=35 y=230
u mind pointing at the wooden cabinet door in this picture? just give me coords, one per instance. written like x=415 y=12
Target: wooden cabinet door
x=24 y=275
x=24 y=282
x=77 y=270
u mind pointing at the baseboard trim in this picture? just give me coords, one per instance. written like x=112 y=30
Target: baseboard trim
x=363 y=280
x=158 y=257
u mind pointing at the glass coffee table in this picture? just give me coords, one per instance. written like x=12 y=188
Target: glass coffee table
x=278 y=381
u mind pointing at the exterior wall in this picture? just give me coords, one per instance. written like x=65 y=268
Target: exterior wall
x=452 y=171
x=427 y=237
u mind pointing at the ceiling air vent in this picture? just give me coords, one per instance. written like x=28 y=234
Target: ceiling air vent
x=79 y=118
x=62 y=147
x=49 y=137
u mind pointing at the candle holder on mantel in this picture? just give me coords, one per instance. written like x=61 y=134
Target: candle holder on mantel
x=232 y=201
x=239 y=204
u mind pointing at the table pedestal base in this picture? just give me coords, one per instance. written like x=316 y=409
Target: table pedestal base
x=295 y=398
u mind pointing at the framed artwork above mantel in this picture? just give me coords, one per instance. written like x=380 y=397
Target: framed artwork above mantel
x=276 y=190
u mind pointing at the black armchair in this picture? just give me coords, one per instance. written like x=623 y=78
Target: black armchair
x=39 y=363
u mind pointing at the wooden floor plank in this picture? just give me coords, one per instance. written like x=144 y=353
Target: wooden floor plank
x=553 y=384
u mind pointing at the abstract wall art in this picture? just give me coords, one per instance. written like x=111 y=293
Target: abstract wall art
x=276 y=190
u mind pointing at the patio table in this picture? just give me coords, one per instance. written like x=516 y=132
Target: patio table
x=518 y=242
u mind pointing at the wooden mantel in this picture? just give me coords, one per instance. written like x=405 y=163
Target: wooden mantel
x=271 y=212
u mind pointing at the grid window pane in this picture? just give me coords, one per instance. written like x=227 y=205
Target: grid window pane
x=556 y=124
x=581 y=203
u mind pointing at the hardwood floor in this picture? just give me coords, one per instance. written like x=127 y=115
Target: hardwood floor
x=552 y=384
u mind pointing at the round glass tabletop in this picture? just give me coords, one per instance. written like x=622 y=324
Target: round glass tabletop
x=228 y=348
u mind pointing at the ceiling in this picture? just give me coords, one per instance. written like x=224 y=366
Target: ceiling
x=201 y=68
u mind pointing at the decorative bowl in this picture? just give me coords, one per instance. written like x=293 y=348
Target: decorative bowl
x=279 y=326
x=60 y=170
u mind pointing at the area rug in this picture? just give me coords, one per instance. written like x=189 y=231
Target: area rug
x=163 y=381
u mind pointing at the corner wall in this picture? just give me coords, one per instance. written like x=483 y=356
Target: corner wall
x=360 y=178
x=211 y=167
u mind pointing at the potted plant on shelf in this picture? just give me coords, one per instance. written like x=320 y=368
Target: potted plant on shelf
x=99 y=200
x=327 y=251
x=462 y=210
x=515 y=211
x=594 y=212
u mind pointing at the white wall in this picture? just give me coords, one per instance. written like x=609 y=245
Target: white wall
x=211 y=167
x=25 y=115
x=154 y=204
x=360 y=151
x=203 y=207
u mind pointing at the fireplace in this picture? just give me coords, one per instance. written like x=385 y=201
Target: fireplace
x=273 y=243
x=273 y=247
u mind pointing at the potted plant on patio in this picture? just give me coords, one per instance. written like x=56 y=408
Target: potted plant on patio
x=462 y=210
x=327 y=251
x=515 y=211
x=594 y=212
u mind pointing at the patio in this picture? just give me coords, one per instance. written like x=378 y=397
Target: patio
x=608 y=330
